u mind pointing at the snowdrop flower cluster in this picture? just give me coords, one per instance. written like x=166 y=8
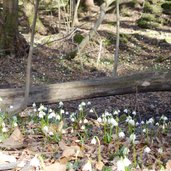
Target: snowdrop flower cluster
x=42 y=111
x=47 y=131
x=107 y=118
x=81 y=106
x=73 y=117
x=130 y=121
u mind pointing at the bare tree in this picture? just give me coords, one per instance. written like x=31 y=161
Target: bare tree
x=29 y=62
x=116 y=56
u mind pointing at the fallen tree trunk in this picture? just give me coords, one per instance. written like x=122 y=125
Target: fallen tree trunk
x=141 y=82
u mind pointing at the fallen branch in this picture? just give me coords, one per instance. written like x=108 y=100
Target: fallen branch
x=141 y=82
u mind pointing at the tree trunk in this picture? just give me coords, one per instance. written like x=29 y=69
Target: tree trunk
x=9 y=27
x=142 y=82
x=28 y=10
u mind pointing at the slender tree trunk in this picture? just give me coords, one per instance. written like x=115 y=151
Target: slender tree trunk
x=116 y=56
x=9 y=27
x=75 y=18
x=29 y=63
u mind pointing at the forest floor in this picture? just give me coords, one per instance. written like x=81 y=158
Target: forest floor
x=140 y=50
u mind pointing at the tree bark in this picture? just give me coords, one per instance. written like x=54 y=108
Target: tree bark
x=116 y=56
x=9 y=27
x=28 y=10
x=142 y=82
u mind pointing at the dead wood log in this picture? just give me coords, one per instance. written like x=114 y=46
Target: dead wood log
x=141 y=82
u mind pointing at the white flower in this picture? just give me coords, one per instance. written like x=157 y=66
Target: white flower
x=116 y=112
x=99 y=119
x=164 y=118
x=83 y=104
x=137 y=123
x=58 y=117
x=51 y=133
x=126 y=162
x=15 y=124
x=157 y=124
x=126 y=151
x=62 y=111
x=35 y=162
x=91 y=111
x=83 y=127
x=123 y=163
x=50 y=110
x=1 y=99
x=160 y=150
x=113 y=122
x=106 y=114
x=150 y=121
x=45 y=128
x=80 y=108
x=131 y=122
x=51 y=115
x=87 y=167
x=35 y=110
x=132 y=137
x=85 y=121
x=142 y=122
x=72 y=119
x=93 y=141
x=134 y=113
x=80 y=122
x=11 y=107
x=89 y=103
x=126 y=110
x=144 y=130
x=3 y=124
x=41 y=114
x=41 y=108
x=4 y=129
x=128 y=118
x=61 y=104
x=34 y=104
x=121 y=135
x=67 y=113
x=147 y=150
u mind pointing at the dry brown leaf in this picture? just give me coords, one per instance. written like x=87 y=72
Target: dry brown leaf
x=168 y=165
x=99 y=165
x=72 y=151
x=62 y=145
x=15 y=141
x=56 y=167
